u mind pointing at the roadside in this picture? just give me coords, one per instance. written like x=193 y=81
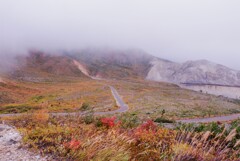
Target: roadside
x=11 y=149
x=211 y=119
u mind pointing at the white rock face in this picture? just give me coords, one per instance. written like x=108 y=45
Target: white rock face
x=193 y=72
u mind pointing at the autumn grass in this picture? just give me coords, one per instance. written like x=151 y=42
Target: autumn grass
x=55 y=96
x=125 y=137
x=148 y=99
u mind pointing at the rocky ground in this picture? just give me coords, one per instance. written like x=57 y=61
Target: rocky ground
x=11 y=149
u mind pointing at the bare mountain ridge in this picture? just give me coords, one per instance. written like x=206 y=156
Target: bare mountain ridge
x=122 y=64
x=193 y=72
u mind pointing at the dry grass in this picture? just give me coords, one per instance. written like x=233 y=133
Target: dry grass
x=57 y=96
x=148 y=99
x=69 y=138
x=145 y=98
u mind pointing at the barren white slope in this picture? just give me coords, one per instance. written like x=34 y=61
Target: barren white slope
x=81 y=67
x=193 y=72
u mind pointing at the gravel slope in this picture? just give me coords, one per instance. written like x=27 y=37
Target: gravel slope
x=10 y=146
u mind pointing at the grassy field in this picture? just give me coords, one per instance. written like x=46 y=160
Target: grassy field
x=152 y=99
x=138 y=134
x=55 y=97
x=146 y=99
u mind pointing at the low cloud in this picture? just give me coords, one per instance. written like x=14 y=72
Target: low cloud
x=176 y=30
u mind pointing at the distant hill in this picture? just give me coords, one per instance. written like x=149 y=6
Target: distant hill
x=120 y=64
x=110 y=63
x=39 y=66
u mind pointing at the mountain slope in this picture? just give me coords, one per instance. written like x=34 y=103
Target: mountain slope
x=87 y=63
x=39 y=66
x=121 y=64
x=193 y=72
x=110 y=63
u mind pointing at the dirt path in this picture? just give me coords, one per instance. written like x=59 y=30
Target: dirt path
x=211 y=119
x=10 y=146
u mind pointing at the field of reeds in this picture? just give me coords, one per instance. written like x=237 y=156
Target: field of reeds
x=126 y=137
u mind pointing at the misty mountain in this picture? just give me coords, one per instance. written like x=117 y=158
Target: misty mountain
x=111 y=63
x=39 y=66
x=121 y=64
x=193 y=72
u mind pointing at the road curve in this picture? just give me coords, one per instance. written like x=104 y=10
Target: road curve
x=212 y=119
x=120 y=103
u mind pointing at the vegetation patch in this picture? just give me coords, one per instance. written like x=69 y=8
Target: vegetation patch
x=116 y=138
x=163 y=120
x=17 y=109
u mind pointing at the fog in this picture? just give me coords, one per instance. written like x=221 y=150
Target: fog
x=178 y=30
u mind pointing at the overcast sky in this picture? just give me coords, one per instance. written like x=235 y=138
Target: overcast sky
x=178 y=30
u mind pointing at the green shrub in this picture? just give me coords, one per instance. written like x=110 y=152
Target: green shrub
x=17 y=108
x=85 y=106
x=129 y=120
x=163 y=120
x=88 y=118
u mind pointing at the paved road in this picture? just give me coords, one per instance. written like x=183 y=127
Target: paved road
x=120 y=103
x=211 y=119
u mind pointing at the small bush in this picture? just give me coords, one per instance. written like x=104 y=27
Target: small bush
x=109 y=121
x=163 y=120
x=85 y=106
x=88 y=118
x=129 y=120
x=41 y=116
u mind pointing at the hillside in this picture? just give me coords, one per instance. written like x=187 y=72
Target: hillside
x=110 y=63
x=120 y=64
x=193 y=72
x=39 y=66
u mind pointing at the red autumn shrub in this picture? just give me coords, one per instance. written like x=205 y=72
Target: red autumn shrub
x=152 y=142
x=148 y=126
x=108 y=121
x=73 y=144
